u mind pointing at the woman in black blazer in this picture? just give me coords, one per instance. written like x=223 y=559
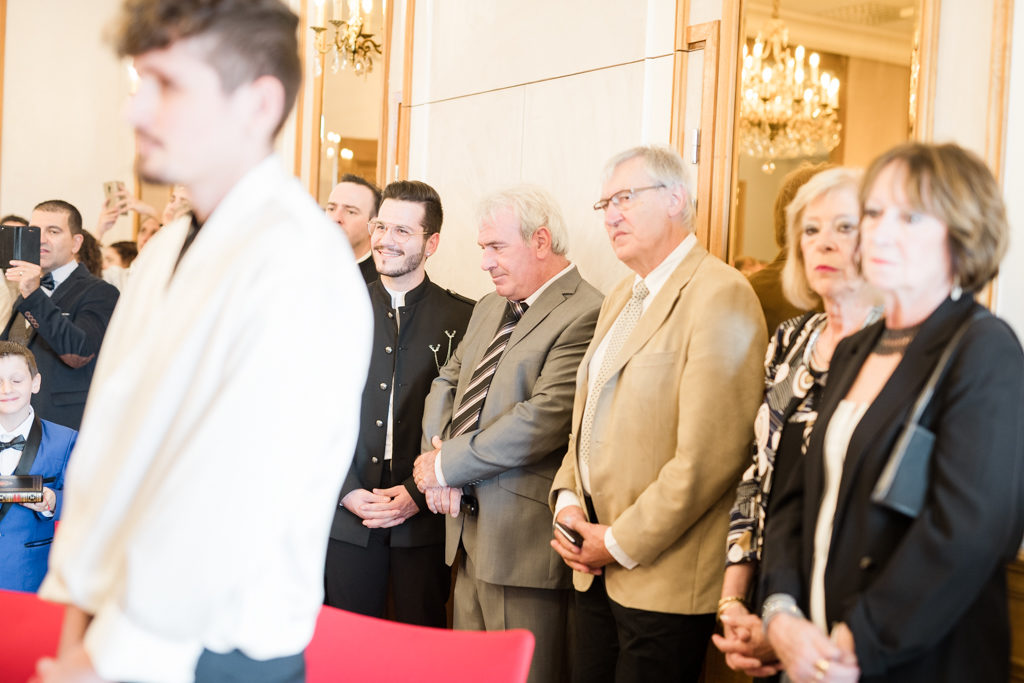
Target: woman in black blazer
x=890 y=597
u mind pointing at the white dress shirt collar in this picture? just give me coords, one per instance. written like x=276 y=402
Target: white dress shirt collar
x=657 y=278
x=532 y=299
x=61 y=274
x=397 y=298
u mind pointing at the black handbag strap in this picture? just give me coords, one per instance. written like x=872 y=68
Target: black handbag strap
x=939 y=372
x=923 y=399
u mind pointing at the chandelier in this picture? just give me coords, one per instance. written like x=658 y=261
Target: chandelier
x=350 y=46
x=788 y=109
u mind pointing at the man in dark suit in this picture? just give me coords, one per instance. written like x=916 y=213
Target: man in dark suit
x=353 y=202
x=61 y=313
x=382 y=531
x=497 y=421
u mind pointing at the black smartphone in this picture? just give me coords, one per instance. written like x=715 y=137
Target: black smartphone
x=18 y=242
x=569 y=535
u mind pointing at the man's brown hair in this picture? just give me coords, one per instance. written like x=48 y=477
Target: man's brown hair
x=61 y=206
x=9 y=348
x=422 y=194
x=248 y=38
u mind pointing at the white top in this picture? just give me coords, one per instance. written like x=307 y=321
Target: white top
x=655 y=281
x=219 y=428
x=837 y=439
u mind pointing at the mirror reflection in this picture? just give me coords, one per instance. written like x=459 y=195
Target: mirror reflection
x=823 y=81
x=352 y=72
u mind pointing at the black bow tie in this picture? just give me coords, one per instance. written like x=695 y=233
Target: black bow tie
x=46 y=282
x=17 y=443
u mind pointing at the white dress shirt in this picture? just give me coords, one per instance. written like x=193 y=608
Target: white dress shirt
x=219 y=428
x=60 y=274
x=654 y=281
x=397 y=301
x=10 y=457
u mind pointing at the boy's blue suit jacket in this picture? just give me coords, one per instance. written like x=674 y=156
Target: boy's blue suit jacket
x=25 y=536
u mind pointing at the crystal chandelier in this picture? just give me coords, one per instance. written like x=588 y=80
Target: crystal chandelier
x=788 y=109
x=350 y=45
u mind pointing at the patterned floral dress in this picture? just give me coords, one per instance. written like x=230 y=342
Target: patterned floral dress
x=792 y=389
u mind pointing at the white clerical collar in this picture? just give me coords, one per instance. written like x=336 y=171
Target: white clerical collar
x=532 y=299
x=397 y=298
x=63 y=272
x=365 y=256
x=21 y=429
x=657 y=278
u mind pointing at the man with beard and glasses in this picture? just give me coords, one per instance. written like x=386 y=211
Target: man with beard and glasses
x=204 y=481
x=383 y=532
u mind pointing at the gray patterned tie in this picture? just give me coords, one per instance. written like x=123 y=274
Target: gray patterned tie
x=621 y=330
x=467 y=416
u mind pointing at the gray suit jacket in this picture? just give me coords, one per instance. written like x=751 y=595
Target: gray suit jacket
x=513 y=454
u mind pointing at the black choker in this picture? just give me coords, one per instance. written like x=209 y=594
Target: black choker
x=895 y=341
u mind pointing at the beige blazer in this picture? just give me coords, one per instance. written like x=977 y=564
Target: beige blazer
x=672 y=433
x=512 y=456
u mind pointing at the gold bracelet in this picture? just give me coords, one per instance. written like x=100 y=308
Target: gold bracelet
x=728 y=600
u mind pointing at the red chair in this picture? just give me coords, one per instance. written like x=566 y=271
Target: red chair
x=353 y=647
x=345 y=646
x=29 y=629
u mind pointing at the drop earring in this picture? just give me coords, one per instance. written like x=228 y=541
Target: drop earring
x=956 y=292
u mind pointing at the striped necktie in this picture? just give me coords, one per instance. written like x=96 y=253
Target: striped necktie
x=621 y=330
x=467 y=415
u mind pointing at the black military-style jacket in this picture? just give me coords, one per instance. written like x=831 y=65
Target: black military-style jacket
x=408 y=352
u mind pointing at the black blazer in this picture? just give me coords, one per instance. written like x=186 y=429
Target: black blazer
x=68 y=330
x=433 y=322
x=926 y=598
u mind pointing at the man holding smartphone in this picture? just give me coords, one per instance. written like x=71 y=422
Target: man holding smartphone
x=61 y=313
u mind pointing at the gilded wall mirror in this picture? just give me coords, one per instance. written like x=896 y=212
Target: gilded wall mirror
x=821 y=80
x=349 y=39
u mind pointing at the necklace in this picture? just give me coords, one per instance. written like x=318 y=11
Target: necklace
x=895 y=341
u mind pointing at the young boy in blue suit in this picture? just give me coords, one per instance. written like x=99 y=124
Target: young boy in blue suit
x=28 y=445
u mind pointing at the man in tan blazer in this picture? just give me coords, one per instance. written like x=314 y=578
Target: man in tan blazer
x=661 y=427
x=497 y=453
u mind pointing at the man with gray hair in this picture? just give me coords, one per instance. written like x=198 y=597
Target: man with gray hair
x=661 y=426
x=496 y=422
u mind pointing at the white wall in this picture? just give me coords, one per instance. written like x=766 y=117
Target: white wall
x=961 y=108
x=533 y=91
x=63 y=134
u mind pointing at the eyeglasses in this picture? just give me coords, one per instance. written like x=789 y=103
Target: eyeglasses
x=623 y=199
x=399 y=233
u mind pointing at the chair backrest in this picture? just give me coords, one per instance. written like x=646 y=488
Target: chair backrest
x=353 y=647
x=29 y=629
x=345 y=646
